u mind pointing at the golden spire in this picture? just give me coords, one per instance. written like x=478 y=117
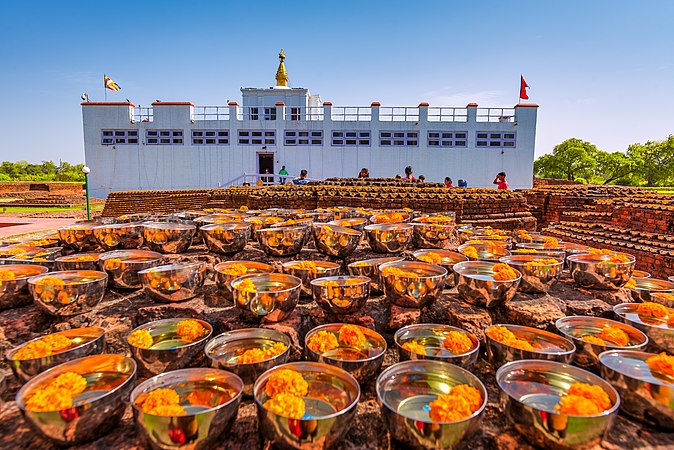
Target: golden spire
x=281 y=74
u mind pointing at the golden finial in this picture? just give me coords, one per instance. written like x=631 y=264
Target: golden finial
x=281 y=74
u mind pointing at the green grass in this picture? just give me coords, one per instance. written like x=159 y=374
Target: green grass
x=662 y=190
x=15 y=209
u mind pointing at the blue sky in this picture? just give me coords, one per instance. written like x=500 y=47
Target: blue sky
x=602 y=71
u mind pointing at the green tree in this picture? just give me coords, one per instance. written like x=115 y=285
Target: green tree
x=615 y=167
x=654 y=161
x=571 y=159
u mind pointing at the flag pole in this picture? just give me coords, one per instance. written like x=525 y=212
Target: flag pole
x=105 y=90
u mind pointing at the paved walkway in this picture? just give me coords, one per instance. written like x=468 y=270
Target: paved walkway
x=10 y=226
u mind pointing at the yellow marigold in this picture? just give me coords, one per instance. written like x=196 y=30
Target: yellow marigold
x=550 y=242
x=390 y=218
x=70 y=381
x=361 y=264
x=254 y=355
x=286 y=405
x=436 y=219
x=352 y=335
x=286 y=381
x=590 y=339
x=662 y=363
x=235 y=270
x=51 y=281
x=305 y=265
x=615 y=258
x=507 y=337
x=525 y=236
x=457 y=342
x=243 y=208
x=631 y=283
x=651 y=309
x=141 y=339
x=431 y=257
x=85 y=258
x=246 y=285
x=46 y=399
x=503 y=272
x=591 y=392
x=470 y=252
x=323 y=341
x=7 y=275
x=615 y=335
x=576 y=405
x=525 y=250
x=600 y=251
x=663 y=295
x=190 y=330
x=386 y=271
x=48 y=345
x=457 y=405
x=414 y=347
x=167 y=411
x=158 y=397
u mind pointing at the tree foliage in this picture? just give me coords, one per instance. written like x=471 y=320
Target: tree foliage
x=46 y=171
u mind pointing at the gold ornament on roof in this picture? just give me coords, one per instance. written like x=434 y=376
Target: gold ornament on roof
x=281 y=74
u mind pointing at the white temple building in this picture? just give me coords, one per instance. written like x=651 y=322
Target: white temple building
x=177 y=145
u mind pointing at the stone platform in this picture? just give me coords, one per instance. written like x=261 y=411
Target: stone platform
x=121 y=311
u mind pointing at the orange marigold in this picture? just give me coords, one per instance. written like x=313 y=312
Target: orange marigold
x=7 y=275
x=246 y=285
x=431 y=257
x=525 y=250
x=503 y=272
x=550 y=242
x=631 y=284
x=457 y=405
x=600 y=251
x=235 y=270
x=584 y=399
x=158 y=397
x=414 y=347
x=531 y=265
x=254 y=355
x=457 y=342
x=352 y=335
x=651 y=309
x=45 y=399
x=662 y=363
x=323 y=341
x=286 y=405
x=190 y=330
x=470 y=252
x=286 y=381
x=615 y=335
x=591 y=392
x=305 y=265
x=168 y=411
x=594 y=340
x=505 y=336
x=141 y=339
x=386 y=271
x=51 y=282
x=70 y=381
x=48 y=345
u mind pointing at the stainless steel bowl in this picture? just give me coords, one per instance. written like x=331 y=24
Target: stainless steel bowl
x=85 y=342
x=341 y=294
x=260 y=222
x=223 y=280
x=323 y=269
x=447 y=260
x=14 y=292
x=389 y=237
x=49 y=241
x=660 y=335
x=68 y=293
x=536 y=279
x=79 y=237
x=530 y=389
x=370 y=268
x=541 y=246
x=305 y=222
x=663 y=298
x=476 y=284
x=331 y=405
x=386 y=217
x=282 y=241
x=14 y=251
x=224 y=352
x=275 y=296
x=572 y=248
x=110 y=379
x=362 y=362
x=641 y=274
x=169 y=351
x=413 y=291
x=173 y=282
x=130 y=218
x=433 y=235
x=432 y=336
x=597 y=272
x=122 y=266
x=333 y=240
x=226 y=237
x=645 y=395
x=168 y=237
x=647 y=286
x=548 y=346
x=485 y=252
x=119 y=236
x=210 y=398
x=404 y=391
x=78 y=261
x=356 y=223
x=587 y=354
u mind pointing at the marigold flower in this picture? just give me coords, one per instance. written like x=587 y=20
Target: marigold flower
x=550 y=242
x=431 y=257
x=390 y=217
x=323 y=341
x=286 y=405
x=190 y=330
x=436 y=219
x=7 y=275
x=457 y=342
x=70 y=381
x=141 y=339
x=386 y=271
x=590 y=339
x=45 y=399
x=503 y=272
x=662 y=363
x=470 y=252
x=235 y=270
x=85 y=258
x=525 y=250
x=255 y=355
x=167 y=411
x=361 y=264
x=631 y=283
x=663 y=296
x=157 y=398
x=615 y=335
x=352 y=335
x=201 y=397
x=533 y=265
x=461 y=402
x=45 y=346
x=414 y=347
x=309 y=266
x=246 y=285
x=286 y=381
x=584 y=399
x=505 y=336
x=50 y=281
x=651 y=309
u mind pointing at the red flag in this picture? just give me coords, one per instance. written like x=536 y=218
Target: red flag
x=523 y=89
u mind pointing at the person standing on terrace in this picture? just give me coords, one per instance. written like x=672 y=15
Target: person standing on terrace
x=283 y=173
x=408 y=174
x=302 y=179
x=364 y=173
x=500 y=181
x=448 y=182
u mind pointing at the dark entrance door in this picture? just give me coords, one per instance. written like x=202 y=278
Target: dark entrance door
x=265 y=161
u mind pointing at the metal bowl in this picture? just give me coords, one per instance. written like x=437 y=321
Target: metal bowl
x=660 y=335
x=571 y=248
x=130 y=218
x=275 y=296
x=305 y=222
x=663 y=298
x=122 y=266
x=494 y=239
x=535 y=279
x=520 y=237
x=448 y=259
x=641 y=274
x=225 y=238
x=433 y=235
x=362 y=363
x=210 y=398
x=168 y=237
x=587 y=354
x=530 y=389
x=282 y=241
x=431 y=336
x=43 y=242
x=75 y=292
x=404 y=391
x=85 y=342
x=331 y=405
x=223 y=281
x=78 y=261
x=14 y=293
x=557 y=254
x=13 y=251
x=541 y=246
x=597 y=272
x=110 y=379
x=169 y=351
x=644 y=395
x=323 y=269
x=333 y=240
x=260 y=222
x=485 y=252
x=413 y=292
x=224 y=351
x=647 y=286
x=79 y=237
x=173 y=282
x=356 y=223
x=370 y=268
x=341 y=294
x=386 y=217
x=476 y=284
x=119 y=236
x=549 y=346
x=389 y=237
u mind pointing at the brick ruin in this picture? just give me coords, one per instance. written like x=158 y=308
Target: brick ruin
x=28 y=194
